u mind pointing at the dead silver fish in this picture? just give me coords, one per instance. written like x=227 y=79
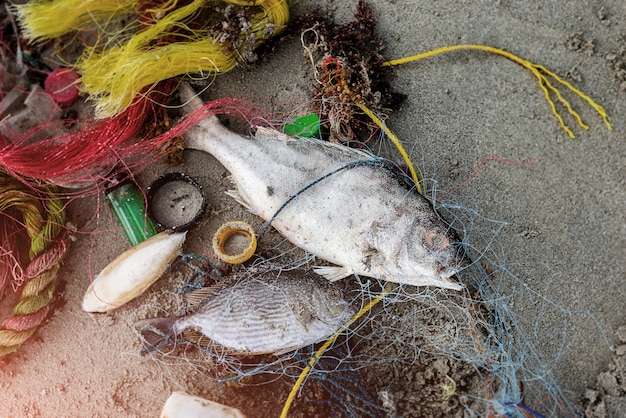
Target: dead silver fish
x=272 y=312
x=338 y=203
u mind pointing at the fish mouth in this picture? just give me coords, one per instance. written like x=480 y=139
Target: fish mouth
x=448 y=273
x=444 y=277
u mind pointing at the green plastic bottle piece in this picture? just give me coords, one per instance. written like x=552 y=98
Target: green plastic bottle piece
x=129 y=207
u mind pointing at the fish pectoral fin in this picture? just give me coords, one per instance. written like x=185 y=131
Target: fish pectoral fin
x=333 y=273
x=235 y=195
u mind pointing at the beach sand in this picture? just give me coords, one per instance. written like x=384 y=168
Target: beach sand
x=565 y=231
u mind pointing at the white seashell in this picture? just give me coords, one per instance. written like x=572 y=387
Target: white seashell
x=183 y=405
x=131 y=273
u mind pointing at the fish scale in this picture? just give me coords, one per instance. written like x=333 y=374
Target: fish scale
x=270 y=311
x=337 y=203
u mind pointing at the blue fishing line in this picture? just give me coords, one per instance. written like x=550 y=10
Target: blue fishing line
x=524 y=408
x=214 y=273
x=511 y=360
x=345 y=394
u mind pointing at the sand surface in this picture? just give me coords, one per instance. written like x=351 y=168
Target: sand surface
x=565 y=229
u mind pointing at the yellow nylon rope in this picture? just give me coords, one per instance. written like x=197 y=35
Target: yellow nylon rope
x=414 y=172
x=539 y=71
x=417 y=179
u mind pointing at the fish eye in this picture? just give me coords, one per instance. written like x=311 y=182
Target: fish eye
x=436 y=241
x=334 y=294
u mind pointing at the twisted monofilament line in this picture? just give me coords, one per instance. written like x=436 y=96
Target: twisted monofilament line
x=41 y=216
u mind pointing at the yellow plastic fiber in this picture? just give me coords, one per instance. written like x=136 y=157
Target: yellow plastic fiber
x=543 y=76
x=37 y=285
x=272 y=20
x=416 y=174
x=13 y=339
x=116 y=76
x=36 y=302
x=323 y=348
x=417 y=178
x=43 y=20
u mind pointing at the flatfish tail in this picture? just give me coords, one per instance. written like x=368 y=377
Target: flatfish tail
x=156 y=333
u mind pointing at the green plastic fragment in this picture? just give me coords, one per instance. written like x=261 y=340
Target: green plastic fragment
x=129 y=207
x=307 y=126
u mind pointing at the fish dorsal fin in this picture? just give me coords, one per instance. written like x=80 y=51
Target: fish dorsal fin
x=264 y=133
x=196 y=297
x=358 y=154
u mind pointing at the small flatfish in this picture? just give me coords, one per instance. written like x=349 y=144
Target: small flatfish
x=340 y=204
x=270 y=312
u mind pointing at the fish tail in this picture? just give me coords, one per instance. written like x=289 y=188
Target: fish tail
x=207 y=127
x=191 y=100
x=156 y=333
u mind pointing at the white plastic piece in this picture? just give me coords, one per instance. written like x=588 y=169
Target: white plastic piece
x=133 y=272
x=183 y=405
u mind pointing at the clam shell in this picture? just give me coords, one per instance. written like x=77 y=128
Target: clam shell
x=183 y=405
x=131 y=273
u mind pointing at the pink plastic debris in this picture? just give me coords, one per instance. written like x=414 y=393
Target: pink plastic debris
x=62 y=86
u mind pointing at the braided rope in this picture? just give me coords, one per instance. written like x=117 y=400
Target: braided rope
x=25 y=210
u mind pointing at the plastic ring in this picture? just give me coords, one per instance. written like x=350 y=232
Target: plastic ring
x=227 y=240
x=173 y=204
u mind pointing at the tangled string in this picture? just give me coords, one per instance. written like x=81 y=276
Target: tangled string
x=34 y=241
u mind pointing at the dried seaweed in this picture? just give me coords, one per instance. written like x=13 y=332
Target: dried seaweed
x=347 y=68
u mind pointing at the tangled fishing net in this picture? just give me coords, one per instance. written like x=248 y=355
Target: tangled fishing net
x=459 y=352
x=443 y=353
